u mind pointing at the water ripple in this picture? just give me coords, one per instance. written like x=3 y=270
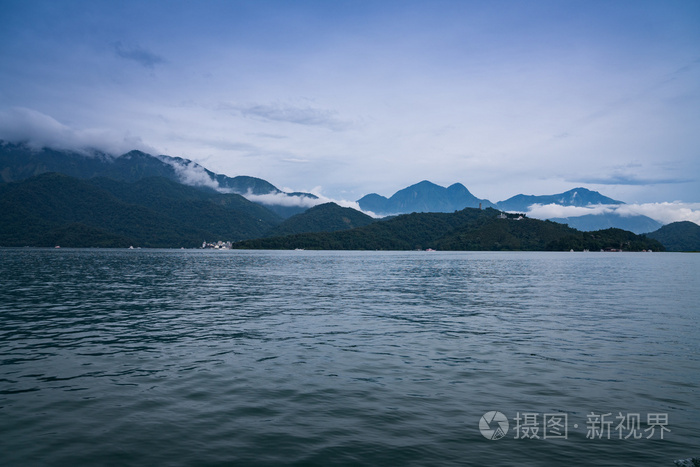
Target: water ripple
x=198 y=357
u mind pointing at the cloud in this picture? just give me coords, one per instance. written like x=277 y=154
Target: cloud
x=308 y=116
x=138 y=54
x=191 y=173
x=316 y=191
x=630 y=180
x=664 y=213
x=284 y=199
x=38 y=130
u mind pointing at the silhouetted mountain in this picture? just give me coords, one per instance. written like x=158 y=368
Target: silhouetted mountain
x=19 y=162
x=575 y=197
x=589 y=222
x=328 y=217
x=469 y=229
x=52 y=209
x=423 y=197
x=678 y=236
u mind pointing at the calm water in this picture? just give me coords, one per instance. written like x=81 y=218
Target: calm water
x=158 y=357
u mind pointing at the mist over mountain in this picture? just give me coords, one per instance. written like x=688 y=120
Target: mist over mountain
x=582 y=198
x=55 y=209
x=20 y=161
x=575 y=197
x=581 y=208
x=429 y=197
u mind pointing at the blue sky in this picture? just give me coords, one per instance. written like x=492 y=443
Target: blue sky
x=352 y=97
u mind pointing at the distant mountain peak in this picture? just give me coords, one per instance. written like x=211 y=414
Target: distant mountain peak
x=575 y=197
x=424 y=196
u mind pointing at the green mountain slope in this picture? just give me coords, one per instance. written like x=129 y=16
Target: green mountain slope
x=19 y=162
x=56 y=209
x=328 y=217
x=173 y=198
x=469 y=229
x=678 y=236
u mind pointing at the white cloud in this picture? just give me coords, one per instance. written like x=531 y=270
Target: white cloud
x=283 y=199
x=23 y=125
x=664 y=213
x=191 y=173
x=340 y=202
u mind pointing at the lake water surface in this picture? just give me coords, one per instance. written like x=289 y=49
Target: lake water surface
x=181 y=357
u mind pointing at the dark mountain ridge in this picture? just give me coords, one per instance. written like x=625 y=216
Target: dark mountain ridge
x=468 y=229
x=328 y=217
x=678 y=236
x=19 y=162
x=53 y=208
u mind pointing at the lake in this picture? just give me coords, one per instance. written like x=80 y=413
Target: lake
x=184 y=357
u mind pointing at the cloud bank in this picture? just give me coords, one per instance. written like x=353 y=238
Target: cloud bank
x=664 y=213
x=284 y=199
x=37 y=130
x=191 y=173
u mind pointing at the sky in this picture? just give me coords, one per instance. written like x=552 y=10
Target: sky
x=346 y=98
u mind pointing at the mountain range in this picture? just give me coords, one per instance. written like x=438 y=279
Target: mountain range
x=56 y=209
x=429 y=197
x=423 y=197
x=181 y=203
x=468 y=229
x=19 y=162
